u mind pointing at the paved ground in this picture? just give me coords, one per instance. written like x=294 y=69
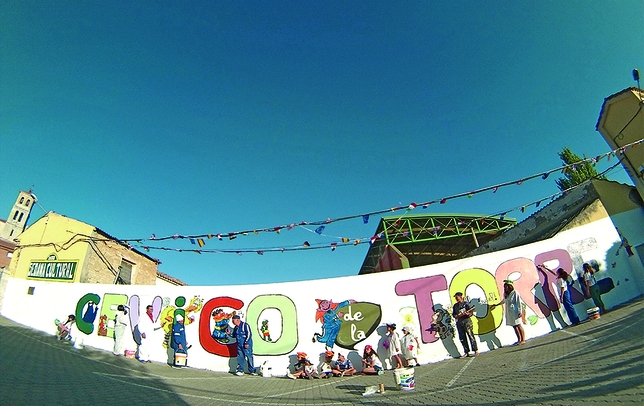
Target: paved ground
x=597 y=362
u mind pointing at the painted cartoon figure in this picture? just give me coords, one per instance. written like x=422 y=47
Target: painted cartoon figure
x=266 y=335
x=221 y=319
x=166 y=318
x=195 y=306
x=331 y=321
x=102 y=326
x=442 y=324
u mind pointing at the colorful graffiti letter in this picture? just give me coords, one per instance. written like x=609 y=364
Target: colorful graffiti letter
x=287 y=341
x=86 y=327
x=205 y=338
x=422 y=289
x=487 y=282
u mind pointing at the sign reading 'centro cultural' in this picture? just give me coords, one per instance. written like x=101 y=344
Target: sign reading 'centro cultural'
x=52 y=270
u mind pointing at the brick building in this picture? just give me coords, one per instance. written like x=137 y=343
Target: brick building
x=60 y=249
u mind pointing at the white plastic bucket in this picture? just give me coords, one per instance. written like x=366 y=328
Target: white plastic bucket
x=593 y=313
x=404 y=378
x=267 y=372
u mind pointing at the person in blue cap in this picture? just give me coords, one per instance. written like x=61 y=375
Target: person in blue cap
x=179 y=344
x=244 y=338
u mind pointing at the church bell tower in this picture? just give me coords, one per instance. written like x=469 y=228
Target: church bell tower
x=17 y=219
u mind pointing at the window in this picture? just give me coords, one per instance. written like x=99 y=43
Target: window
x=15 y=215
x=20 y=218
x=22 y=199
x=28 y=202
x=125 y=272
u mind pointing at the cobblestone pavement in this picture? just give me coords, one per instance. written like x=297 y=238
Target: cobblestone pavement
x=596 y=362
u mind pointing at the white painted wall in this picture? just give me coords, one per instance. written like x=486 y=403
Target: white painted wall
x=598 y=241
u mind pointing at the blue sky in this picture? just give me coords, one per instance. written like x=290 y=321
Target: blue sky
x=149 y=118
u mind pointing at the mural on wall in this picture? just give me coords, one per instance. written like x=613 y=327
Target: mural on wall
x=346 y=323
x=331 y=321
x=221 y=329
x=169 y=312
x=273 y=318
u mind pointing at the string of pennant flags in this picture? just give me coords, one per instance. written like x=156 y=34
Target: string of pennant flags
x=200 y=240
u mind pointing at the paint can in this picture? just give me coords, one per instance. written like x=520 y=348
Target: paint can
x=593 y=313
x=404 y=378
x=267 y=372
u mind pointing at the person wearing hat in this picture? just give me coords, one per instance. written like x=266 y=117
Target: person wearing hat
x=462 y=312
x=514 y=310
x=123 y=339
x=179 y=344
x=343 y=366
x=326 y=367
x=371 y=362
x=244 y=338
x=303 y=368
x=392 y=344
x=409 y=344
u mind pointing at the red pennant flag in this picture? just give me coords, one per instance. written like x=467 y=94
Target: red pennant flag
x=334 y=245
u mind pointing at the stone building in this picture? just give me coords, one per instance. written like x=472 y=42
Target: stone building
x=15 y=224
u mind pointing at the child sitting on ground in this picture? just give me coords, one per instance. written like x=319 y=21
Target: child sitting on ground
x=303 y=368
x=343 y=366
x=371 y=362
x=64 y=330
x=326 y=370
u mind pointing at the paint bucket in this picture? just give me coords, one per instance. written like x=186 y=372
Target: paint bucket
x=267 y=372
x=404 y=378
x=593 y=313
x=130 y=353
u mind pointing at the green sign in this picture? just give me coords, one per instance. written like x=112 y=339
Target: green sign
x=52 y=270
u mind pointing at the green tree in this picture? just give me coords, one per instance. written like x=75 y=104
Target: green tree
x=577 y=173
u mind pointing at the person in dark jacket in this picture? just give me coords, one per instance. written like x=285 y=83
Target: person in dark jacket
x=179 y=344
x=244 y=338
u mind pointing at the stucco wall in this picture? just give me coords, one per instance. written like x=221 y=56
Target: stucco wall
x=96 y=258
x=359 y=305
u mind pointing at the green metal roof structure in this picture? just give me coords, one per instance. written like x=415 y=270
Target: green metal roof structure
x=410 y=241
